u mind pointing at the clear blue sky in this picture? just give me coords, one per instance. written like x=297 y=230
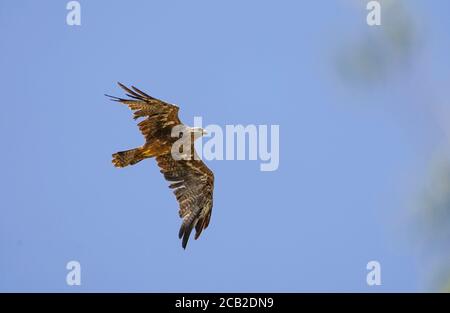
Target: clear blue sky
x=352 y=154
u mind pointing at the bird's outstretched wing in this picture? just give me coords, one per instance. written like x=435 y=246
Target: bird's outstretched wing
x=193 y=184
x=160 y=115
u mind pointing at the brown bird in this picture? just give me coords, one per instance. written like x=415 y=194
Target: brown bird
x=191 y=179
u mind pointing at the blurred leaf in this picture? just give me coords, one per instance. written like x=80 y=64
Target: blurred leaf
x=380 y=49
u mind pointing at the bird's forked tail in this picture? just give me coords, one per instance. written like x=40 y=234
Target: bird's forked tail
x=128 y=157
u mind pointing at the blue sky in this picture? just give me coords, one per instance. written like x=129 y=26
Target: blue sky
x=353 y=154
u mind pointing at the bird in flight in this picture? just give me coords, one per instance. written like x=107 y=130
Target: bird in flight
x=191 y=179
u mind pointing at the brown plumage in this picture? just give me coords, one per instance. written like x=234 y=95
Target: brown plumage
x=192 y=180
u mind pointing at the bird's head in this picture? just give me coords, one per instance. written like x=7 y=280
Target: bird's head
x=198 y=132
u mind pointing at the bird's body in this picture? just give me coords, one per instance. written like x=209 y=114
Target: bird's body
x=191 y=179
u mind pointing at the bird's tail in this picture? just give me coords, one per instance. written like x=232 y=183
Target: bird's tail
x=128 y=157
